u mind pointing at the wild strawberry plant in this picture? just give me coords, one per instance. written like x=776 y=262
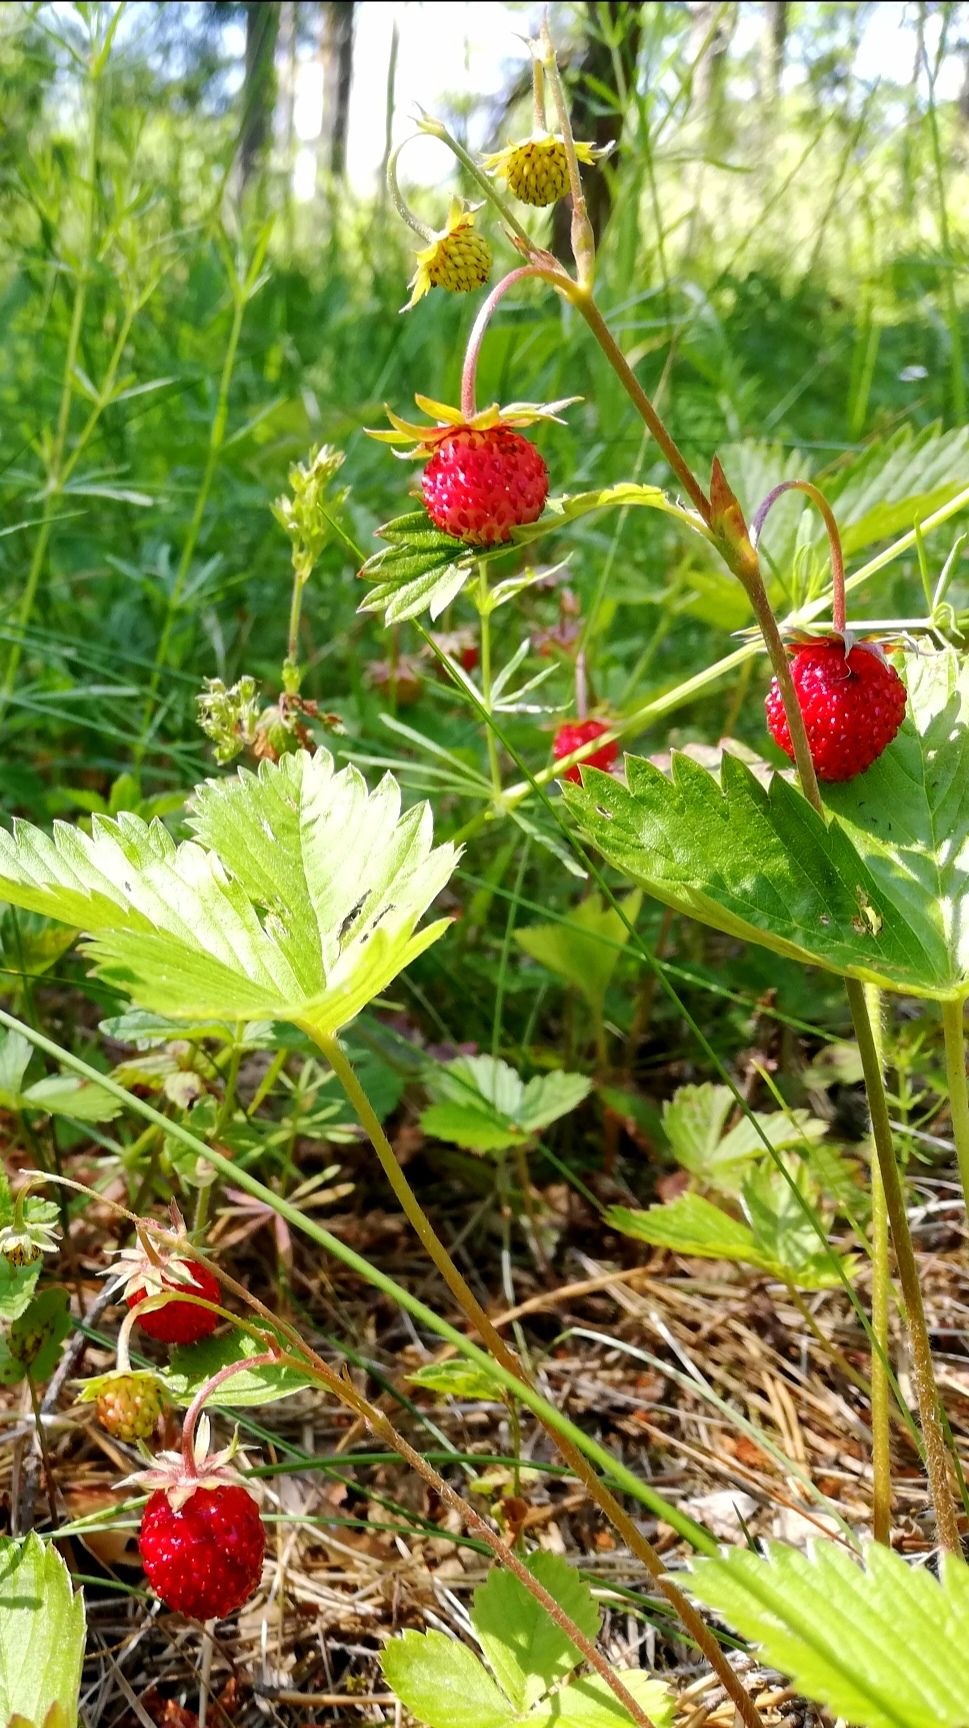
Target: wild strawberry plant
x=300 y=899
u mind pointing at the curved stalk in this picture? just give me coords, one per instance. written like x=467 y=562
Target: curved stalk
x=480 y=325
x=268 y=1359
x=923 y=1370
x=582 y=237
x=834 y=538
x=403 y=209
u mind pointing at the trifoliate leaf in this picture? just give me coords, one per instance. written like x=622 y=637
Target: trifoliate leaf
x=883 y=1647
x=589 y=1703
x=298 y=901
x=876 y=890
x=693 y=1225
x=482 y=1105
x=694 y=1120
x=41 y=1634
x=527 y=1652
x=443 y=1683
x=584 y=947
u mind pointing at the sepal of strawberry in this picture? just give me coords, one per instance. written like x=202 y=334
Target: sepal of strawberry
x=446 y=421
x=154 y=1268
x=457 y=258
x=178 y=1478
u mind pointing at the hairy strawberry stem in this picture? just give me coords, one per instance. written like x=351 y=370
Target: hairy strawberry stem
x=838 y=611
x=384 y=1431
x=881 y=1456
x=402 y=208
x=507 y=1359
x=583 y=237
x=480 y=325
x=268 y=1359
x=923 y=1369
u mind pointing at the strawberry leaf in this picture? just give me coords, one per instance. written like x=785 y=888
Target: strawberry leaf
x=876 y=889
x=299 y=900
x=525 y=1649
x=41 y=1634
x=484 y=1106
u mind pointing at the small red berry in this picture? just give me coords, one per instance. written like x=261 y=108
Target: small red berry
x=180 y=1322
x=573 y=736
x=853 y=705
x=479 y=485
x=205 y=1558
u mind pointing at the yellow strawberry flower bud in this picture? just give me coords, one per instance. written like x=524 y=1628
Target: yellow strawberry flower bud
x=458 y=258
x=537 y=170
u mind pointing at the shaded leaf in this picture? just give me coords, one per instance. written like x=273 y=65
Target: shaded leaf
x=482 y=1105
x=526 y=1650
x=585 y=946
x=191 y=1365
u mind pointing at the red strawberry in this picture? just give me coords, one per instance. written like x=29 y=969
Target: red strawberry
x=573 y=736
x=204 y=1557
x=852 y=701
x=479 y=485
x=179 y=1322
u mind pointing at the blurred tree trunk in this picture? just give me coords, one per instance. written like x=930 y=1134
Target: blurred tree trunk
x=336 y=55
x=259 y=84
x=605 y=21
x=777 y=23
x=964 y=92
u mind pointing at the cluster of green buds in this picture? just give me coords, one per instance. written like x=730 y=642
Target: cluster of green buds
x=31 y=1228
x=307 y=515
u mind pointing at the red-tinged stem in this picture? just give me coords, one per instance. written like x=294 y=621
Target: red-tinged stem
x=838 y=613
x=266 y=1360
x=476 y=338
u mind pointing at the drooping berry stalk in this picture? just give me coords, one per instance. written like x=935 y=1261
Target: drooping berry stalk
x=838 y=604
x=480 y=325
x=267 y=1359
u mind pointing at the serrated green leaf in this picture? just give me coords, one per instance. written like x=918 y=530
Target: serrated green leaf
x=191 y=1365
x=908 y=816
x=41 y=1633
x=16 y=1288
x=875 y=890
x=527 y=1652
x=883 y=1647
x=589 y=1703
x=694 y=1120
x=455 y=1379
x=29 y=946
x=482 y=1105
x=298 y=901
x=693 y=1225
x=421 y=570
x=585 y=946
x=443 y=1683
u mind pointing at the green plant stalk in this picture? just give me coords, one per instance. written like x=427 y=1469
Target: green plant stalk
x=952 y=317
x=508 y=1361
x=881 y=1453
x=923 y=1370
x=953 y=1023
x=216 y=441
x=484 y=614
x=582 y=236
x=56 y=457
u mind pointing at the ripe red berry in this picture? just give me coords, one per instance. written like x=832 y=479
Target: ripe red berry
x=180 y=1322
x=205 y=1559
x=479 y=485
x=573 y=736
x=853 y=704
